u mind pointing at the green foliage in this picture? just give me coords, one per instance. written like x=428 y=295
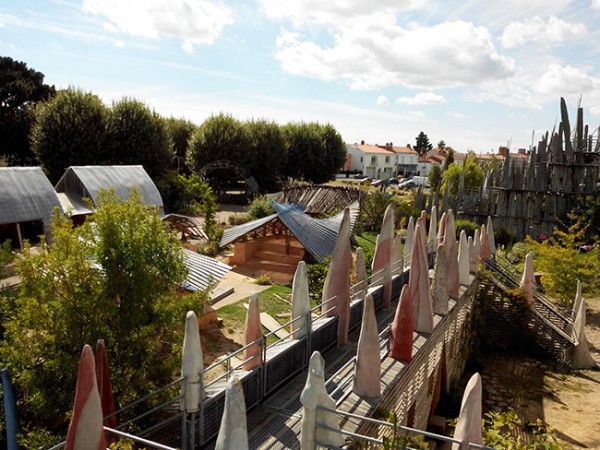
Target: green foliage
x=422 y=145
x=500 y=431
x=259 y=208
x=69 y=130
x=403 y=440
x=587 y=210
x=263 y=280
x=266 y=157
x=20 y=89
x=316 y=278
x=180 y=131
x=6 y=254
x=473 y=176
x=115 y=280
x=435 y=177
x=519 y=250
x=137 y=135
x=372 y=211
x=466 y=225
x=503 y=237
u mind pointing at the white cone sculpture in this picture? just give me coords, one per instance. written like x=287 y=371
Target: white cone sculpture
x=423 y=218
x=367 y=370
x=233 y=433
x=490 y=232
x=418 y=286
x=452 y=255
x=383 y=254
x=578 y=299
x=527 y=279
x=463 y=259
x=337 y=281
x=472 y=255
x=477 y=246
x=360 y=271
x=300 y=301
x=581 y=357
x=484 y=251
x=253 y=332
x=441 y=234
x=468 y=426
x=192 y=365
x=439 y=286
x=432 y=229
x=314 y=395
x=397 y=256
x=408 y=241
x=85 y=428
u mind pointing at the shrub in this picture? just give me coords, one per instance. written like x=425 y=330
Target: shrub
x=504 y=237
x=466 y=225
x=263 y=280
x=316 y=278
x=259 y=208
x=6 y=254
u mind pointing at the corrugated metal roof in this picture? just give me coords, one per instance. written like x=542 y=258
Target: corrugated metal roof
x=88 y=181
x=231 y=234
x=72 y=204
x=317 y=236
x=203 y=271
x=26 y=194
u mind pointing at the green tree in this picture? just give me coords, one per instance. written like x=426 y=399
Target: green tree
x=117 y=281
x=422 y=145
x=334 y=151
x=435 y=177
x=441 y=144
x=69 y=129
x=473 y=176
x=449 y=158
x=137 y=135
x=181 y=131
x=266 y=156
x=20 y=89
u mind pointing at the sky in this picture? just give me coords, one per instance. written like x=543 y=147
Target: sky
x=476 y=74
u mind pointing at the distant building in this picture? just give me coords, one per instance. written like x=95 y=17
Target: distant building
x=382 y=161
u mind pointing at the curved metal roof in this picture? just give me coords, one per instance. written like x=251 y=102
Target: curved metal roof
x=88 y=181
x=203 y=271
x=317 y=236
x=26 y=194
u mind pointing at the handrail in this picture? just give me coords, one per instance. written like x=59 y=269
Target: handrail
x=138 y=439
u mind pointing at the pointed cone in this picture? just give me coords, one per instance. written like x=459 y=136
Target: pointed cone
x=85 y=429
x=252 y=333
x=432 y=229
x=418 y=285
x=484 y=252
x=397 y=256
x=477 y=246
x=337 y=281
x=578 y=299
x=233 y=433
x=423 y=218
x=580 y=355
x=527 y=279
x=383 y=254
x=300 y=301
x=452 y=256
x=367 y=370
x=463 y=259
x=360 y=271
x=441 y=235
x=468 y=426
x=192 y=365
x=105 y=389
x=10 y=411
x=472 y=255
x=439 y=286
x=490 y=232
x=401 y=329
x=408 y=241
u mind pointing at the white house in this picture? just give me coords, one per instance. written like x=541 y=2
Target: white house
x=372 y=161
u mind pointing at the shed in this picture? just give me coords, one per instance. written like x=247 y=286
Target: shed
x=203 y=271
x=79 y=182
x=27 y=200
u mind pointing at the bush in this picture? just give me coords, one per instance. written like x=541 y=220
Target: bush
x=466 y=225
x=6 y=254
x=263 y=280
x=259 y=208
x=504 y=237
x=316 y=278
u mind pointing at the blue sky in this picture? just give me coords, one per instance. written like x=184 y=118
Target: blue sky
x=475 y=74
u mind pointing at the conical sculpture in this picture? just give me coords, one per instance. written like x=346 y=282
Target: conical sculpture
x=491 y=238
x=463 y=259
x=431 y=239
x=233 y=433
x=382 y=260
x=401 y=329
x=472 y=255
x=105 y=389
x=300 y=301
x=408 y=241
x=418 y=285
x=484 y=252
x=367 y=370
x=452 y=256
x=468 y=426
x=439 y=286
x=527 y=279
x=360 y=272
x=397 y=256
x=252 y=333
x=580 y=355
x=441 y=234
x=192 y=365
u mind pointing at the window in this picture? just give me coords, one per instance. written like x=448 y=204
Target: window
x=387 y=159
x=373 y=159
x=361 y=159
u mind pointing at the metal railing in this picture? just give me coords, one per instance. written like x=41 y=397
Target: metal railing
x=398 y=428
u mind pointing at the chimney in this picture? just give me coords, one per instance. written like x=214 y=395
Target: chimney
x=503 y=151
x=362 y=142
x=522 y=151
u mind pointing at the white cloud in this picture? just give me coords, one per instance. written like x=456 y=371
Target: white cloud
x=564 y=80
x=382 y=100
x=595 y=4
x=193 y=21
x=119 y=43
x=455 y=115
x=422 y=98
x=595 y=111
x=378 y=54
x=334 y=11
x=537 y=30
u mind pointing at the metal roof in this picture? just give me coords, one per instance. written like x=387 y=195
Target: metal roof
x=88 y=181
x=25 y=195
x=317 y=236
x=72 y=204
x=203 y=271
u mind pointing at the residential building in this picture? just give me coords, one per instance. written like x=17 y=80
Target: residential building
x=382 y=161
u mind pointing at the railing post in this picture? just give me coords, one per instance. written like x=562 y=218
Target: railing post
x=308 y=335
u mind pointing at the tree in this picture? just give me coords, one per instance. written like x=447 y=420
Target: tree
x=70 y=129
x=181 y=131
x=20 y=89
x=449 y=158
x=116 y=280
x=473 y=176
x=423 y=145
x=137 y=135
x=435 y=177
x=266 y=150
x=334 y=149
x=441 y=145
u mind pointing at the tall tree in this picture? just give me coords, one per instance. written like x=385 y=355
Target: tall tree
x=435 y=177
x=422 y=145
x=181 y=131
x=70 y=129
x=20 y=88
x=137 y=135
x=267 y=150
x=473 y=176
x=115 y=281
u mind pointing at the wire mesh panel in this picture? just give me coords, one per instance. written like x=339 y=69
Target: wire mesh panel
x=212 y=412
x=282 y=365
x=252 y=383
x=324 y=335
x=356 y=312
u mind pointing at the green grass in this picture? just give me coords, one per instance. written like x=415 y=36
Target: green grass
x=367 y=240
